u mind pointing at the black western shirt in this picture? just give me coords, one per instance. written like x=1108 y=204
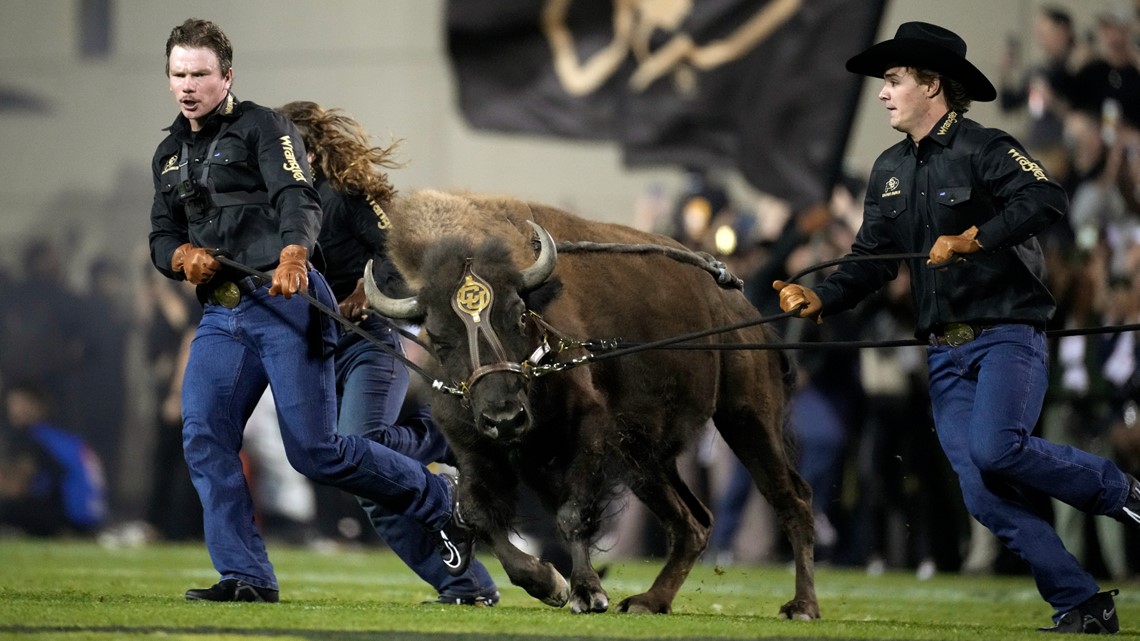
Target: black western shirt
x=259 y=160
x=355 y=230
x=960 y=175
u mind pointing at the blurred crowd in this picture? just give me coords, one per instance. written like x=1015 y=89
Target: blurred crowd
x=98 y=356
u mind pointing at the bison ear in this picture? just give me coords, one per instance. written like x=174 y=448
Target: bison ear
x=540 y=297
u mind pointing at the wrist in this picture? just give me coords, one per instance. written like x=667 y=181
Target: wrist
x=294 y=254
x=178 y=258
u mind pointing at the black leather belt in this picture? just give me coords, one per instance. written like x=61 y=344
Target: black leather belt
x=228 y=293
x=957 y=334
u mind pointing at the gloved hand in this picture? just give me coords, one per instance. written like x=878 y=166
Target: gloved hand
x=946 y=247
x=354 y=307
x=196 y=263
x=793 y=296
x=292 y=273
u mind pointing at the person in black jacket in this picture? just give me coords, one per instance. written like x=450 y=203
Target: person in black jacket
x=232 y=177
x=961 y=193
x=371 y=382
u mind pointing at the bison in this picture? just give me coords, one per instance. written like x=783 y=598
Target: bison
x=487 y=306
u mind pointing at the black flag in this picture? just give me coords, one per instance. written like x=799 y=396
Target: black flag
x=758 y=85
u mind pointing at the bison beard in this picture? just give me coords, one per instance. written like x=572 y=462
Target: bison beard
x=577 y=435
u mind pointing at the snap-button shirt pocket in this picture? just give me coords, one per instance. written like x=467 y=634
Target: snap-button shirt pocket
x=952 y=196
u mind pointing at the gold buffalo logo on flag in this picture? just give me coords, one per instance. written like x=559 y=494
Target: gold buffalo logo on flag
x=758 y=85
x=634 y=24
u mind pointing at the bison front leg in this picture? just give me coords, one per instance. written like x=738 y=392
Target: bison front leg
x=487 y=495
x=578 y=526
x=537 y=577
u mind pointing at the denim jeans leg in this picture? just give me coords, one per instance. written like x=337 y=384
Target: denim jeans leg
x=1012 y=373
x=372 y=385
x=962 y=420
x=222 y=383
x=298 y=362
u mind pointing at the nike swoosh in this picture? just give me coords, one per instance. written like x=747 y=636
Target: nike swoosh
x=454 y=558
x=1108 y=614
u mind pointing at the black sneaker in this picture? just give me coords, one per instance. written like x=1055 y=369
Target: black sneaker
x=233 y=590
x=1097 y=615
x=456 y=541
x=1130 y=513
x=488 y=600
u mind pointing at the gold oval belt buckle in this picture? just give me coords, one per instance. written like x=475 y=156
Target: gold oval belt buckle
x=227 y=295
x=958 y=334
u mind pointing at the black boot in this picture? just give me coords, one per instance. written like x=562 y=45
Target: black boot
x=1130 y=513
x=1097 y=615
x=233 y=590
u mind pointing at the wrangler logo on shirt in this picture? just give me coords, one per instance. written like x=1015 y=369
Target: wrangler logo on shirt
x=951 y=118
x=381 y=218
x=892 y=188
x=1027 y=164
x=291 y=165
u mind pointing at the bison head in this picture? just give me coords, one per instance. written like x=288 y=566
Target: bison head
x=473 y=307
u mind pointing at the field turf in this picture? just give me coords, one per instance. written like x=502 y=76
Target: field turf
x=75 y=591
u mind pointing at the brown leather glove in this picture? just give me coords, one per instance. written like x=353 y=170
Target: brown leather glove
x=947 y=247
x=354 y=307
x=292 y=273
x=196 y=263
x=793 y=296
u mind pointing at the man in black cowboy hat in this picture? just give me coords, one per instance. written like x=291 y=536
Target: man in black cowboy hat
x=957 y=192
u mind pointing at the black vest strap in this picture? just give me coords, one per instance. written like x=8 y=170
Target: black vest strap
x=218 y=199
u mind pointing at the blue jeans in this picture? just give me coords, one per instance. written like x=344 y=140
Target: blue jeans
x=821 y=435
x=986 y=397
x=371 y=385
x=286 y=344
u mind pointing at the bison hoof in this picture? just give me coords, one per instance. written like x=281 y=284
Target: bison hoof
x=590 y=602
x=799 y=611
x=560 y=589
x=644 y=604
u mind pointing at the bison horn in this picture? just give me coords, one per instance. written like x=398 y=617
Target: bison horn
x=401 y=308
x=543 y=266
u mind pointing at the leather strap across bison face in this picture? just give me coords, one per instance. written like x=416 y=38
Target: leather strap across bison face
x=473 y=302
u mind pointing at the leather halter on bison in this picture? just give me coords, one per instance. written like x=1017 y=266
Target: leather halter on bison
x=575 y=436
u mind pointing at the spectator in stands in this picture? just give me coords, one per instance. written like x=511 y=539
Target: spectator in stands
x=1042 y=87
x=1108 y=85
x=51 y=481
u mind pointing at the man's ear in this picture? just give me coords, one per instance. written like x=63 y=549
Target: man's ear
x=934 y=88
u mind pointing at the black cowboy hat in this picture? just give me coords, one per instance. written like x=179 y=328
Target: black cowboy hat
x=927 y=46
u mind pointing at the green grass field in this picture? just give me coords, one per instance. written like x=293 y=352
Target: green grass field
x=76 y=590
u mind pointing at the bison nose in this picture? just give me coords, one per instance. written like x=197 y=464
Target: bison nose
x=506 y=422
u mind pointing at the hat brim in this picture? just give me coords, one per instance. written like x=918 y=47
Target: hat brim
x=912 y=52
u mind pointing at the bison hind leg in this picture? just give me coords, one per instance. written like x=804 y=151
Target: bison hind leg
x=757 y=438
x=798 y=610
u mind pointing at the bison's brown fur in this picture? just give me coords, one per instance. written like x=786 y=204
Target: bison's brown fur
x=576 y=435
